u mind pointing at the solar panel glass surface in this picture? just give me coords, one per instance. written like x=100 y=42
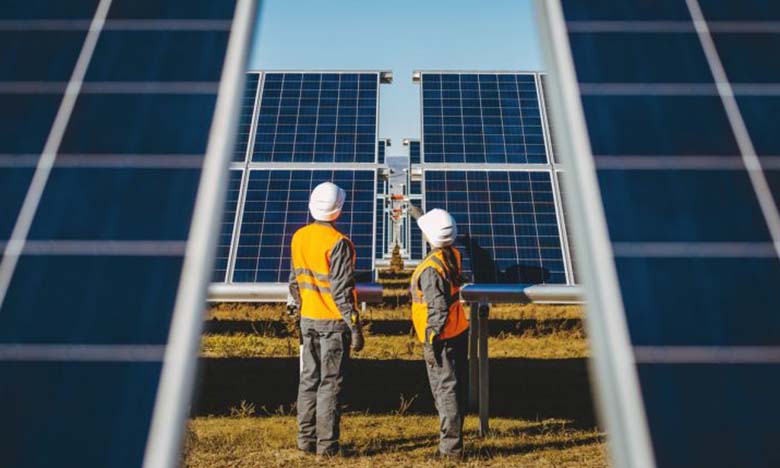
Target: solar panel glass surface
x=277 y=205
x=90 y=296
x=245 y=119
x=507 y=226
x=481 y=118
x=317 y=117
x=691 y=227
x=414 y=152
x=226 y=228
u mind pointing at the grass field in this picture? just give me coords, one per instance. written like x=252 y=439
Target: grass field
x=540 y=396
x=391 y=441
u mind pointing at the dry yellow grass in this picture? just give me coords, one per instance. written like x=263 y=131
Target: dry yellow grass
x=249 y=311
x=559 y=345
x=391 y=441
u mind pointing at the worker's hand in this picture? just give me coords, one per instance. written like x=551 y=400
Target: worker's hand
x=357 y=339
x=292 y=310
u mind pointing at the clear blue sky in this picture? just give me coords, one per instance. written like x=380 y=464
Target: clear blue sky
x=397 y=35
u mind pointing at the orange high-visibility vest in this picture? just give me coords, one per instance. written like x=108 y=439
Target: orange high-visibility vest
x=457 y=322
x=311 y=248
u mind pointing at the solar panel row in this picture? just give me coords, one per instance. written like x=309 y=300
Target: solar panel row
x=105 y=114
x=680 y=106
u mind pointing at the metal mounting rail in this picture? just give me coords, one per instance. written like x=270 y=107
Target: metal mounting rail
x=522 y=293
x=369 y=293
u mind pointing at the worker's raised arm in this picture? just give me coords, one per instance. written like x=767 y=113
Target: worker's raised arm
x=342 y=281
x=436 y=293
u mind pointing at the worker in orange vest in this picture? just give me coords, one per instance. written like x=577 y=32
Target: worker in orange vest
x=322 y=291
x=441 y=324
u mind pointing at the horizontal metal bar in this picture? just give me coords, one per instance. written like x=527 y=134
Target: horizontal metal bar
x=522 y=293
x=277 y=292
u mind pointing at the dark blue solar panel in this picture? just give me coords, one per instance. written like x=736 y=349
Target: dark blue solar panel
x=381 y=218
x=189 y=10
x=317 y=117
x=78 y=299
x=728 y=413
x=123 y=55
x=139 y=124
x=695 y=259
x=48 y=9
x=101 y=263
x=481 y=118
x=245 y=119
x=381 y=152
x=277 y=205
x=13 y=187
x=507 y=225
x=39 y=55
x=25 y=121
x=61 y=426
x=116 y=204
x=226 y=228
x=414 y=152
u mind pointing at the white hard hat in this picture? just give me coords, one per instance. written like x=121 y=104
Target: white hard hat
x=439 y=227
x=326 y=201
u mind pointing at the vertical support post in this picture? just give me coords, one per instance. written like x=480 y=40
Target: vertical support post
x=473 y=356
x=484 y=370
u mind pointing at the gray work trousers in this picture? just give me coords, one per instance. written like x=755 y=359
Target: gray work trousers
x=324 y=356
x=447 y=365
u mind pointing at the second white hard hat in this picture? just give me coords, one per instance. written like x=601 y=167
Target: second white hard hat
x=326 y=201
x=439 y=227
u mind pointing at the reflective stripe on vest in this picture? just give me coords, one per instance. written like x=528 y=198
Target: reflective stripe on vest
x=457 y=321
x=311 y=248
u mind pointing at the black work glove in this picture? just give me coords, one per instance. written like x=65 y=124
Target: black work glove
x=357 y=339
x=292 y=310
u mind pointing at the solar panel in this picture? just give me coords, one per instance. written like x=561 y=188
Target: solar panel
x=381 y=151
x=481 y=118
x=507 y=226
x=106 y=109
x=227 y=227
x=381 y=220
x=317 y=117
x=277 y=205
x=414 y=152
x=678 y=101
x=247 y=114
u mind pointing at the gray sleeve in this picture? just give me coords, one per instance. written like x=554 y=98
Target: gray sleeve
x=436 y=293
x=342 y=280
x=293 y=294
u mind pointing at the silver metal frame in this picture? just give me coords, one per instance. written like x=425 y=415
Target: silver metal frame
x=163 y=448
x=562 y=227
x=614 y=371
x=372 y=293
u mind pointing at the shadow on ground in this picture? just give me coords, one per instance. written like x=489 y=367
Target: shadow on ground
x=525 y=388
